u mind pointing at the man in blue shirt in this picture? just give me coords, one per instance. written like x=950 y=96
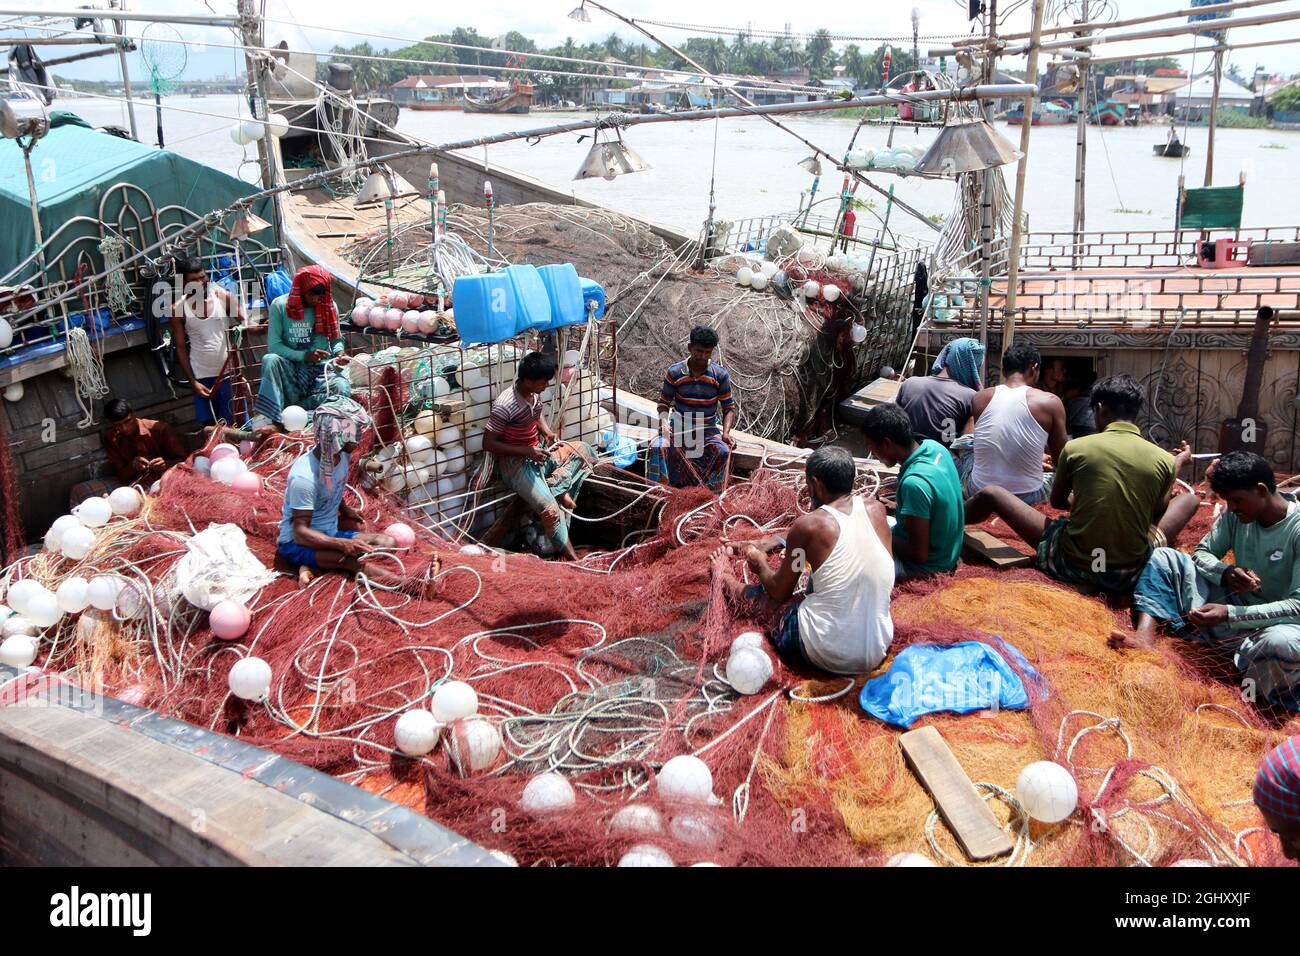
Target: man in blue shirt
x=696 y=414
x=319 y=531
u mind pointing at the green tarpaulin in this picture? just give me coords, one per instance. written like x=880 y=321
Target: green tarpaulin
x=74 y=167
x=1218 y=207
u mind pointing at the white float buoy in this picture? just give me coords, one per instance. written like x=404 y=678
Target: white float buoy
x=227 y=470
x=909 y=859
x=75 y=543
x=636 y=818
x=745 y=275
x=1047 y=791
x=811 y=289
x=22 y=591
x=73 y=595
x=748 y=639
x=124 y=501
x=685 y=779
x=294 y=418
x=548 y=793
x=18 y=650
x=43 y=609
x=416 y=732
x=94 y=512
x=698 y=829
x=475 y=744
x=646 y=854
x=748 y=670
x=54 y=537
x=250 y=678
x=103 y=590
x=453 y=700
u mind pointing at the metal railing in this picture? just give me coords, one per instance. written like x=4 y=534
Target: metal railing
x=1134 y=249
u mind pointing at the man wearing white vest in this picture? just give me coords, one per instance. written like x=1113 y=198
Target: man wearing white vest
x=841 y=625
x=1015 y=424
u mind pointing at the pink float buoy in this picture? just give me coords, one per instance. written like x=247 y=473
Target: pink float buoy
x=245 y=447
x=224 y=450
x=402 y=534
x=393 y=320
x=229 y=620
x=361 y=316
x=428 y=321
x=400 y=300
x=247 y=483
x=411 y=321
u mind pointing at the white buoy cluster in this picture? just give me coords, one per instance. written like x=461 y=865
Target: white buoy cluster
x=473 y=741
x=251 y=130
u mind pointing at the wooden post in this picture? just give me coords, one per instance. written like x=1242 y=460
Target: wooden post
x=1017 y=230
x=1214 y=116
x=986 y=201
x=1080 y=153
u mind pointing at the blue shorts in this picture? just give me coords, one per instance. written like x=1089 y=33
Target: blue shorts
x=217 y=406
x=303 y=557
x=785 y=636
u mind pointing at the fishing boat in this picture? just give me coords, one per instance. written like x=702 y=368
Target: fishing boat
x=1043 y=114
x=1172 y=147
x=518 y=99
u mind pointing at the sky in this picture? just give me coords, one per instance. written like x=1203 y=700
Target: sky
x=546 y=21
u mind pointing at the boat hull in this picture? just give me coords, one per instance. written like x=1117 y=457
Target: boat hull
x=515 y=102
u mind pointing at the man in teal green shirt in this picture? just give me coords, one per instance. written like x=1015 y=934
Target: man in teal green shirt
x=1250 y=608
x=930 y=514
x=304 y=349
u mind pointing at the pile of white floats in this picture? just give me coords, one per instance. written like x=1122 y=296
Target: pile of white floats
x=431 y=467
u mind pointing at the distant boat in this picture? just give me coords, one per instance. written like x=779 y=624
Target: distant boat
x=1048 y=114
x=1173 y=147
x=519 y=99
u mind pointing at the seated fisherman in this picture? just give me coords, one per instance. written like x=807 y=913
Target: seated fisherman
x=1250 y=608
x=939 y=404
x=1277 y=794
x=139 y=449
x=930 y=512
x=319 y=530
x=1015 y=424
x=1118 y=488
x=695 y=393
x=842 y=625
x=304 y=349
x=545 y=472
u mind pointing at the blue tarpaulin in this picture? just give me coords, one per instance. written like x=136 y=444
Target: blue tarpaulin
x=959 y=678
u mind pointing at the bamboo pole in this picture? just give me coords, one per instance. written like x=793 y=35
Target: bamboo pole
x=122 y=67
x=1017 y=227
x=1131 y=21
x=1194 y=49
x=89 y=54
x=986 y=196
x=1081 y=151
x=1200 y=26
x=1214 y=117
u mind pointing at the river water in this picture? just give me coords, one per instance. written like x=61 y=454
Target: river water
x=754 y=171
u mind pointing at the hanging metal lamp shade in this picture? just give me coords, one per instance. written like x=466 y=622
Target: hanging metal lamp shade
x=966 y=146
x=383 y=184
x=610 y=159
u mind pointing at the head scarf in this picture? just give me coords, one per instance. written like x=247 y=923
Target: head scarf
x=338 y=421
x=1277 y=785
x=322 y=303
x=962 y=358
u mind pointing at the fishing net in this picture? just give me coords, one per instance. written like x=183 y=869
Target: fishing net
x=164 y=54
x=790 y=361
x=605 y=668
x=11 y=515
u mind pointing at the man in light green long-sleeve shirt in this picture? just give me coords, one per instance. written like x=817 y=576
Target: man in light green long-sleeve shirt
x=1250 y=608
x=300 y=364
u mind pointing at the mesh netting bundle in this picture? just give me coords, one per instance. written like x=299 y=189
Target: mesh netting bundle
x=605 y=669
x=11 y=516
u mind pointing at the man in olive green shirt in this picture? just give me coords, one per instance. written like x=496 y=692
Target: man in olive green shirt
x=930 y=509
x=1118 y=488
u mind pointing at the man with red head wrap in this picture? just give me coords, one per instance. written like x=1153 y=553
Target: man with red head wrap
x=304 y=349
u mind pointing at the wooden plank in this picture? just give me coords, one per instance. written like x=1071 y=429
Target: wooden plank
x=962 y=808
x=996 y=551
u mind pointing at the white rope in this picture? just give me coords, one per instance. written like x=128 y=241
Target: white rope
x=87 y=370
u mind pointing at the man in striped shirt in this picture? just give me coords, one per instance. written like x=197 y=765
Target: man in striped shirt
x=531 y=460
x=696 y=413
x=1250 y=608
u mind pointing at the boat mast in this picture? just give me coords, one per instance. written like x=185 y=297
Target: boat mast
x=1214 y=113
x=250 y=27
x=1018 y=208
x=1081 y=147
x=986 y=190
x=120 y=27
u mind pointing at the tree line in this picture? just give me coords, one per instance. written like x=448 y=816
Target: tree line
x=742 y=55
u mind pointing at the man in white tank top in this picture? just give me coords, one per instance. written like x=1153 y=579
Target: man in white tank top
x=1015 y=424
x=842 y=624
x=200 y=320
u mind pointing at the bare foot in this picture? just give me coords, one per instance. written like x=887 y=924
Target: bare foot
x=305 y=576
x=1120 y=640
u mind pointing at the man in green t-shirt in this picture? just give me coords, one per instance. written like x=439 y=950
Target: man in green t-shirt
x=930 y=514
x=1250 y=608
x=1118 y=488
